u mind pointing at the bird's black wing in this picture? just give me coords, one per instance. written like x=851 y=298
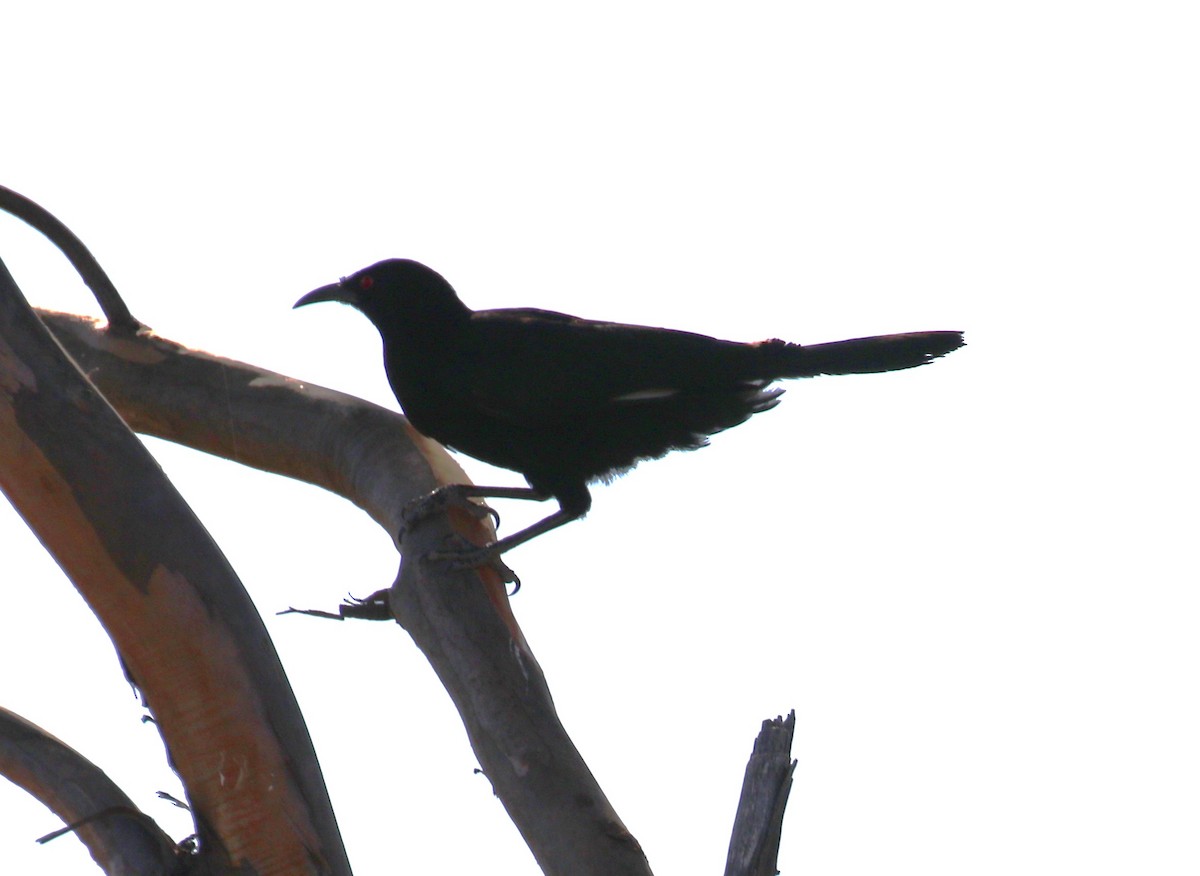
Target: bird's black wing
x=539 y=367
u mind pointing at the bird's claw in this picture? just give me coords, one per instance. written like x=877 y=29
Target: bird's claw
x=451 y=495
x=473 y=558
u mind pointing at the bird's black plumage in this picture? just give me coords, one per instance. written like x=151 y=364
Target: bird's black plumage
x=568 y=401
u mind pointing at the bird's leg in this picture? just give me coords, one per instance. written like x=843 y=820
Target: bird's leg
x=573 y=502
x=457 y=494
x=472 y=557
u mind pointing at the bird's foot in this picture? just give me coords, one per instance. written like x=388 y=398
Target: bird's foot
x=474 y=557
x=450 y=495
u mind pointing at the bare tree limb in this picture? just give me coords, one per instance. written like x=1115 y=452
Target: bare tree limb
x=461 y=620
x=119 y=837
x=754 y=846
x=182 y=623
x=80 y=257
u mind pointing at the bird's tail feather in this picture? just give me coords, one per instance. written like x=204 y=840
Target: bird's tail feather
x=860 y=355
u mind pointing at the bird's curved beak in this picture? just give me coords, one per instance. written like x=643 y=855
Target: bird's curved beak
x=332 y=292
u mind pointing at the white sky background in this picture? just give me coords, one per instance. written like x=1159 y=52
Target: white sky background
x=974 y=582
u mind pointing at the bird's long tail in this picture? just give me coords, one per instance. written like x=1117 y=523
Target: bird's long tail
x=860 y=355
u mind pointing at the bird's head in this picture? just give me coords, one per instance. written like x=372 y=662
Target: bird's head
x=394 y=291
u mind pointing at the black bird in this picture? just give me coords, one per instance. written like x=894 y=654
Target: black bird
x=568 y=401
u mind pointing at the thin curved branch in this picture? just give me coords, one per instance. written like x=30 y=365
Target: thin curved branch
x=120 y=838
x=81 y=258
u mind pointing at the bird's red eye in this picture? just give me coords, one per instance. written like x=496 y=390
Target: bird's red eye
x=365 y=282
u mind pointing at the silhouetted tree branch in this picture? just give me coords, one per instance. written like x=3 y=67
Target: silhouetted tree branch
x=754 y=846
x=184 y=626
x=119 y=318
x=461 y=620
